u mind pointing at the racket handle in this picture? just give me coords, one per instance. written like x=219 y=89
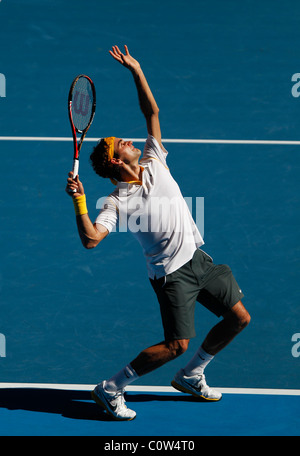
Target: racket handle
x=75 y=167
x=75 y=171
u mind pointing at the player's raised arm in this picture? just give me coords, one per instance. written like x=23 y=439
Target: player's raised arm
x=147 y=101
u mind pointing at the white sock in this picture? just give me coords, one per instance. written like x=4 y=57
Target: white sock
x=198 y=363
x=123 y=378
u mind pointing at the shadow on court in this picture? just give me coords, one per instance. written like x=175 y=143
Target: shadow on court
x=72 y=404
x=39 y=411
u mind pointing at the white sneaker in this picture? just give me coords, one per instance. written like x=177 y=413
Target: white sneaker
x=113 y=403
x=196 y=386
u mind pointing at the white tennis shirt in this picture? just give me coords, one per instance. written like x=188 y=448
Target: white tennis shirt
x=156 y=214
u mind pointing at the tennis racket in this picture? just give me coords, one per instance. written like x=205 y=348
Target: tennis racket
x=82 y=106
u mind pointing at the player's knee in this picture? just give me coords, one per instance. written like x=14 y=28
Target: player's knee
x=239 y=318
x=246 y=320
x=242 y=320
x=178 y=346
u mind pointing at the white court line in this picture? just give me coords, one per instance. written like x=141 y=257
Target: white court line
x=151 y=389
x=178 y=141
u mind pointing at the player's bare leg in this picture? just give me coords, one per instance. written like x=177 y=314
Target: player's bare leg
x=225 y=331
x=155 y=356
x=191 y=379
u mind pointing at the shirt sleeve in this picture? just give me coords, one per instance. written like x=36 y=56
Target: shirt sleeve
x=152 y=149
x=109 y=214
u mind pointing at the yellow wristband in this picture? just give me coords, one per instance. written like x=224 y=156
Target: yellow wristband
x=80 y=205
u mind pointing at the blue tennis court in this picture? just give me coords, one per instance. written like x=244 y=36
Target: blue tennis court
x=60 y=412
x=224 y=75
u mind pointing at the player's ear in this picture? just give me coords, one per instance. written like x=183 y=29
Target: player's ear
x=117 y=161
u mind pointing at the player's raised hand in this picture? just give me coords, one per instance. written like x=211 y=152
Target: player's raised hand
x=125 y=59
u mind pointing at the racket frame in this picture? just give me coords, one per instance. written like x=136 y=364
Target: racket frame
x=77 y=145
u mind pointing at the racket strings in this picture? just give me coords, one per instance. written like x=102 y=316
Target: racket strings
x=82 y=103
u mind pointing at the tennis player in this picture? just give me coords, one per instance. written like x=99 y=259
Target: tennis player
x=179 y=271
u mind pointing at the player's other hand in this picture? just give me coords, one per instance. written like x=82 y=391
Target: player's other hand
x=125 y=59
x=74 y=187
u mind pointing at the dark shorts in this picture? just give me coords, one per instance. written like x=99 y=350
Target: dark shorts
x=213 y=285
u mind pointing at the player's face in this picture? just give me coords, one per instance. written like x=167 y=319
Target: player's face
x=126 y=151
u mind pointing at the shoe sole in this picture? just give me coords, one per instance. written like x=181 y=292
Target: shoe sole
x=105 y=407
x=198 y=396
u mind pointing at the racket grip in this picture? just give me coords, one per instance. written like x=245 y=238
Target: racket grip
x=75 y=171
x=75 y=167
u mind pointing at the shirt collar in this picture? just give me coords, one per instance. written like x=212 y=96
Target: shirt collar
x=133 y=182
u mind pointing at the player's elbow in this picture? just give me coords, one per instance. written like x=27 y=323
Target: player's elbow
x=89 y=243
x=151 y=111
x=156 y=110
